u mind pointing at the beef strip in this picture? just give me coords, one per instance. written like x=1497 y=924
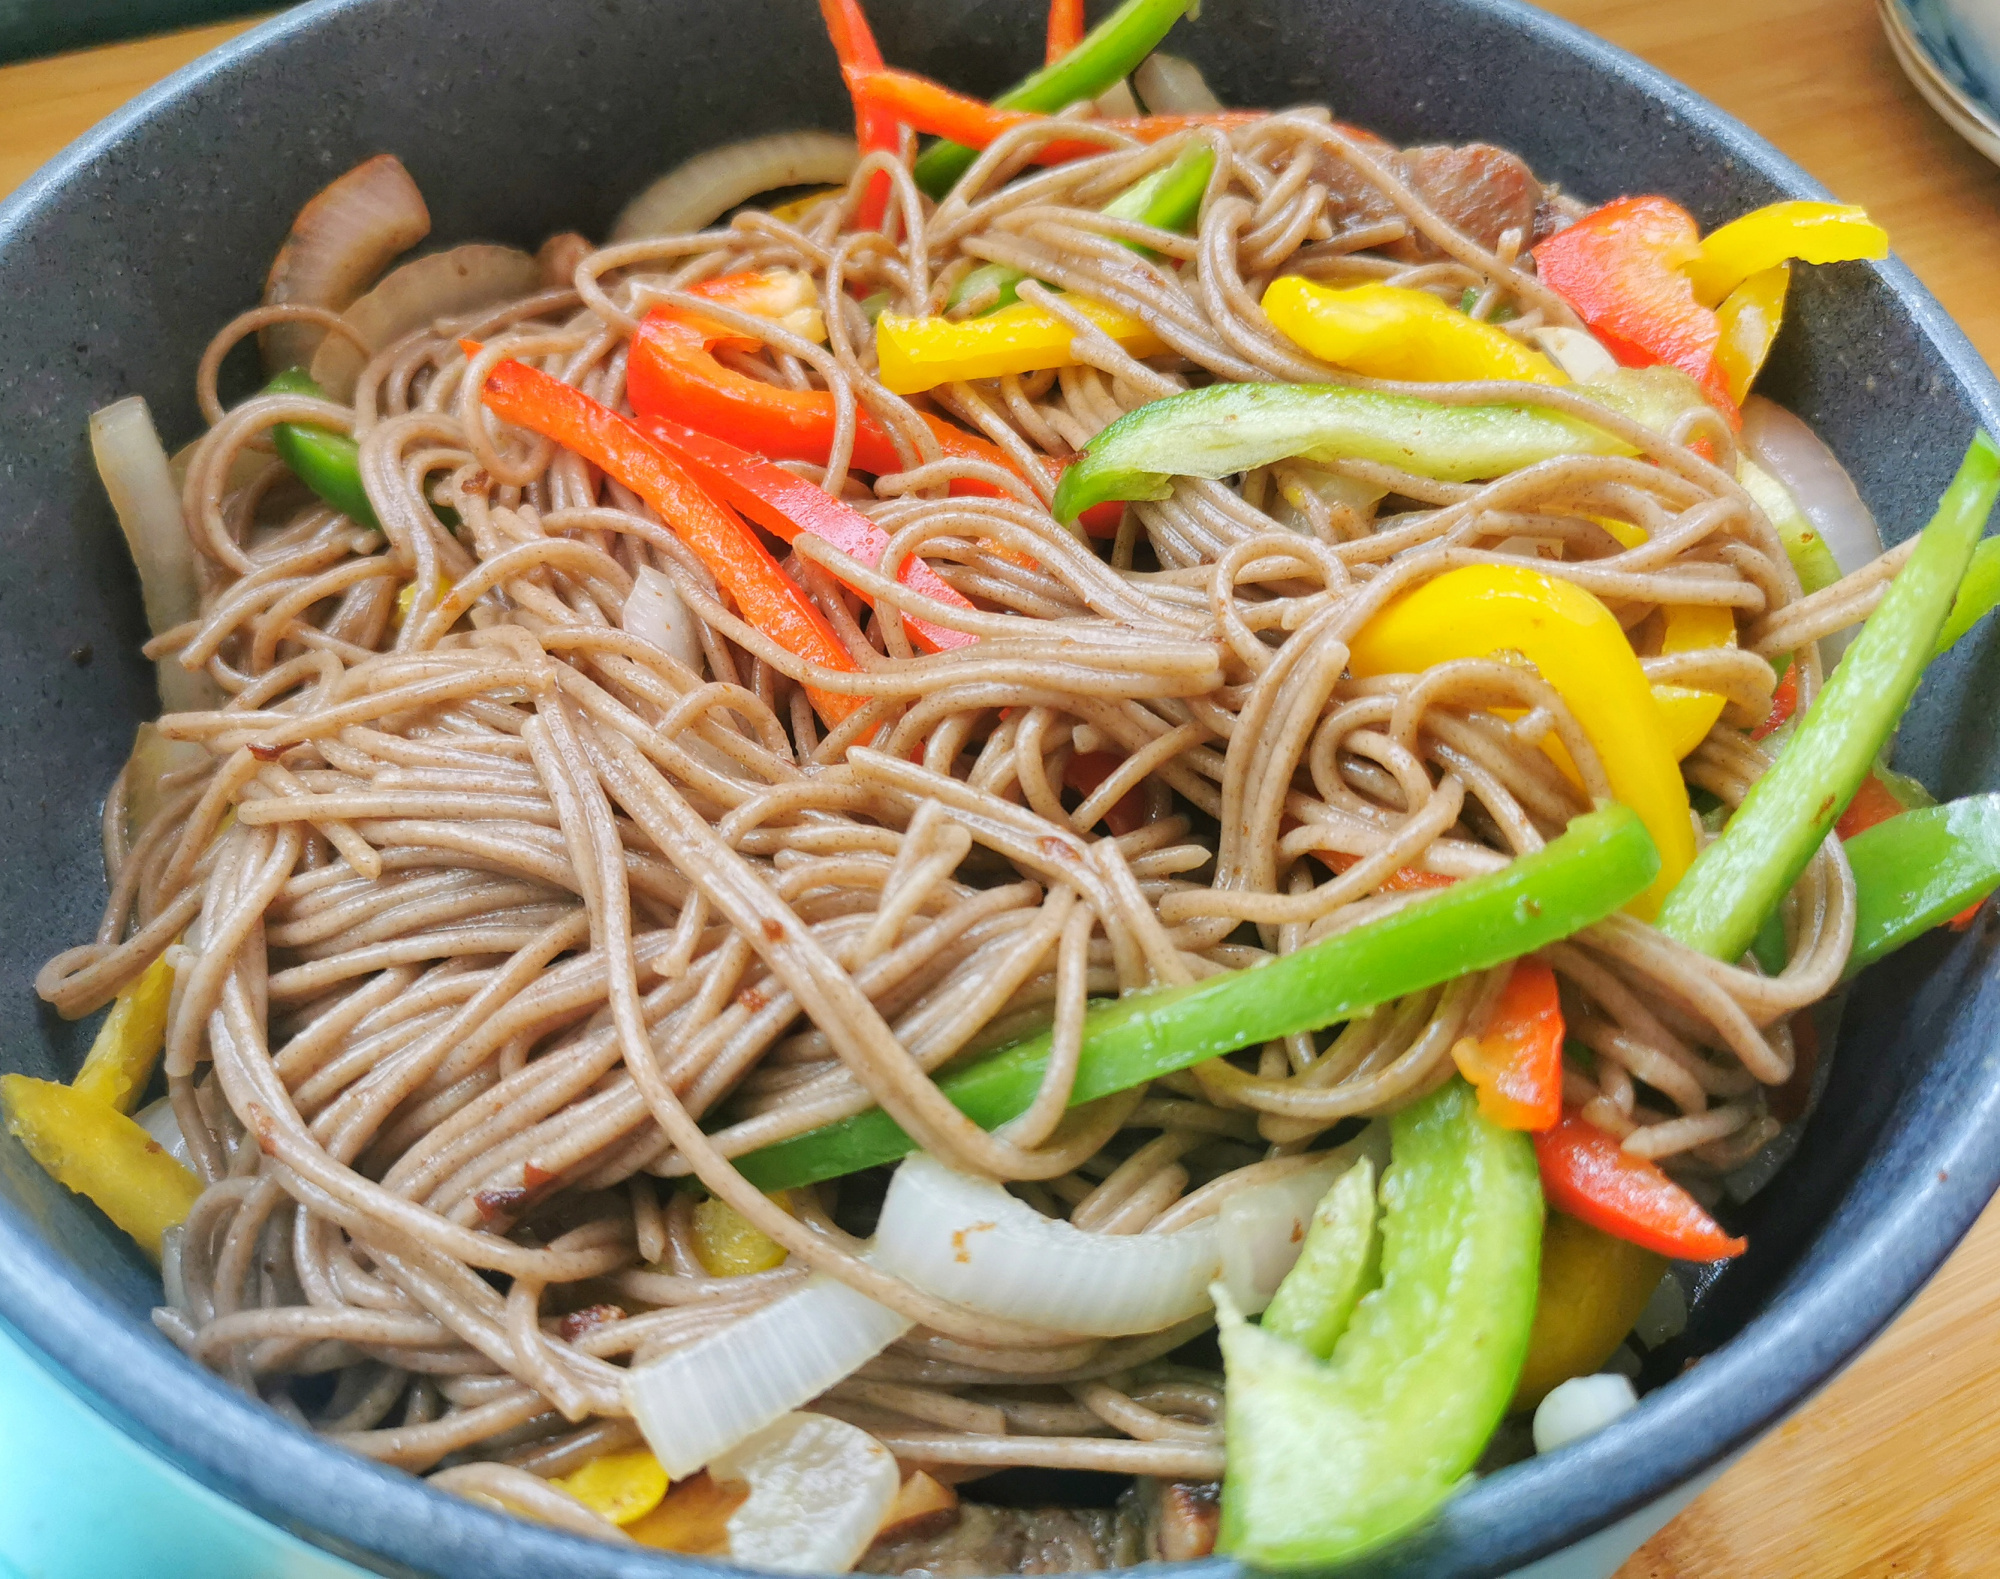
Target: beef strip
x=1480 y=189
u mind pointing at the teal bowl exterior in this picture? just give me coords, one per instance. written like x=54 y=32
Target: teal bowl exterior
x=523 y=117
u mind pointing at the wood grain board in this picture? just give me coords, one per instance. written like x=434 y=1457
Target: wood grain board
x=1893 y=1470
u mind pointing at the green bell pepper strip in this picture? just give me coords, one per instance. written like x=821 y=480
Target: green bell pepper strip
x=1229 y=428
x=1330 y=1458
x=1919 y=869
x=1339 y=1262
x=329 y=463
x=1168 y=199
x=1806 y=549
x=1738 y=880
x=1601 y=861
x=1978 y=594
x=1109 y=51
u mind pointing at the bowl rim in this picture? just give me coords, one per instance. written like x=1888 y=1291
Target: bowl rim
x=1813 y=1323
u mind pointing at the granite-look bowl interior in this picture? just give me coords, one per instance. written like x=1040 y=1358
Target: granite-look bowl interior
x=521 y=117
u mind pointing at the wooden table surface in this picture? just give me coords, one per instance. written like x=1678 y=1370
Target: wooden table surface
x=1892 y=1471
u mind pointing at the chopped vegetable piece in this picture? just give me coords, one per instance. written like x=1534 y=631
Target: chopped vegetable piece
x=1599 y=862
x=1689 y=714
x=692 y=1518
x=922 y=1507
x=1581 y=1407
x=1328 y=1459
x=1784 y=703
x=920 y=353
x=786 y=504
x=1339 y=1263
x=1087 y=770
x=1919 y=868
x=1873 y=803
x=1065 y=28
x=1594 y=1285
x=90 y=1147
x=1748 y=321
x=1576 y=644
x=329 y=463
x=1808 y=550
x=767 y=597
x=875 y=129
x=1623 y=268
x=1978 y=593
x=728 y=1244
x=621 y=1487
x=1767 y=237
x=1230 y=428
x=1739 y=879
x=1515 y=1064
x=1397 y=331
x=121 y=1060
x=1588 y=1174
x=1111 y=50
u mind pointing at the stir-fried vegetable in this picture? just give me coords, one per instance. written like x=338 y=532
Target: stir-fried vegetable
x=121 y=1060
x=819 y=1490
x=1108 y=53
x=1588 y=1174
x=88 y=1145
x=1918 y=868
x=1264 y=1226
x=740 y=563
x=1230 y=428
x=1515 y=1064
x=1399 y=332
x=1739 y=879
x=1594 y=1287
x=622 y=1487
x=327 y=462
x=1575 y=644
x=1330 y=1458
x=875 y=128
x=1065 y=29
x=1687 y=714
x=1339 y=1262
x=1761 y=240
x=728 y=1244
x=920 y=353
x=1601 y=861
x=1978 y=594
x=1746 y=323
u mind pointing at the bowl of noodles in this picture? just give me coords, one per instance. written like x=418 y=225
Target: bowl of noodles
x=928 y=790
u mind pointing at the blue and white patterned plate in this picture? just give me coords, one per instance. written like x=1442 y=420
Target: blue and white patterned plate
x=1951 y=50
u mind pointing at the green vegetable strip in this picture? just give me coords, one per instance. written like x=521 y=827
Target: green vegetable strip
x=1329 y=1459
x=1806 y=549
x=1339 y=1262
x=1602 y=860
x=1111 y=50
x=1230 y=428
x=1919 y=869
x=1168 y=199
x=329 y=463
x=1738 y=880
x=1978 y=594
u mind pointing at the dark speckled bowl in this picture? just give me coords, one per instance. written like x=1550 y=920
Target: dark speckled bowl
x=521 y=117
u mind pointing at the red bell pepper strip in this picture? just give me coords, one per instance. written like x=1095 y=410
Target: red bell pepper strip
x=1515 y=1064
x=1404 y=880
x=1622 y=268
x=1586 y=1173
x=1784 y=703
x=875 y=128
x=742 y=566
x=1087 y=770
x=672 y=372
x=1065 y=28
x=932 y=107
x=1874 y=802
x=787 y=505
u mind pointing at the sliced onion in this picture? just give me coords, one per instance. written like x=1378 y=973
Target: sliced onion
x=342 y=240
x=819 y=1490
x=1117 y=103
x=696 y=194
x=157 y=1119
x=1264 y=1227
x=1577 y=352
x=701 y=1401
x=153 y=758
x=133 y=465
x=969 y=1241
x=1794 y=454
x=421 y=291
x=654 y=612
x=1173 y=86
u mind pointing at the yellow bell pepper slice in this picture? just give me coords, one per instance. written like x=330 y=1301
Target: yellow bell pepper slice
x=90 y=1147
x=1749 y=317
x=621 y=1487
x=128 y=1043
x=1593 y=1289
x=727 y=1244
x=920 y=353
x=1575 y=643
x=1394 y=331
x=1766 y=237
x=1691 y=714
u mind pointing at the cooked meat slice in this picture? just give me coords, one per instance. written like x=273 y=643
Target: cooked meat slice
x=1479 y=189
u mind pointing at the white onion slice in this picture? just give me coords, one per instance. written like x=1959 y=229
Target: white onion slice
x=1173 y=86
x=1794 y=454
x=1577 y=352
x=417 y=293
x=709 y=185
x=702 y=1400
x=1264 y=1227
x=132 y=463
x=969 y=1241
x=347 y=235
x=819 y=1490
x=654 y=612
x=1580 y=1407
x=157 y=1119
